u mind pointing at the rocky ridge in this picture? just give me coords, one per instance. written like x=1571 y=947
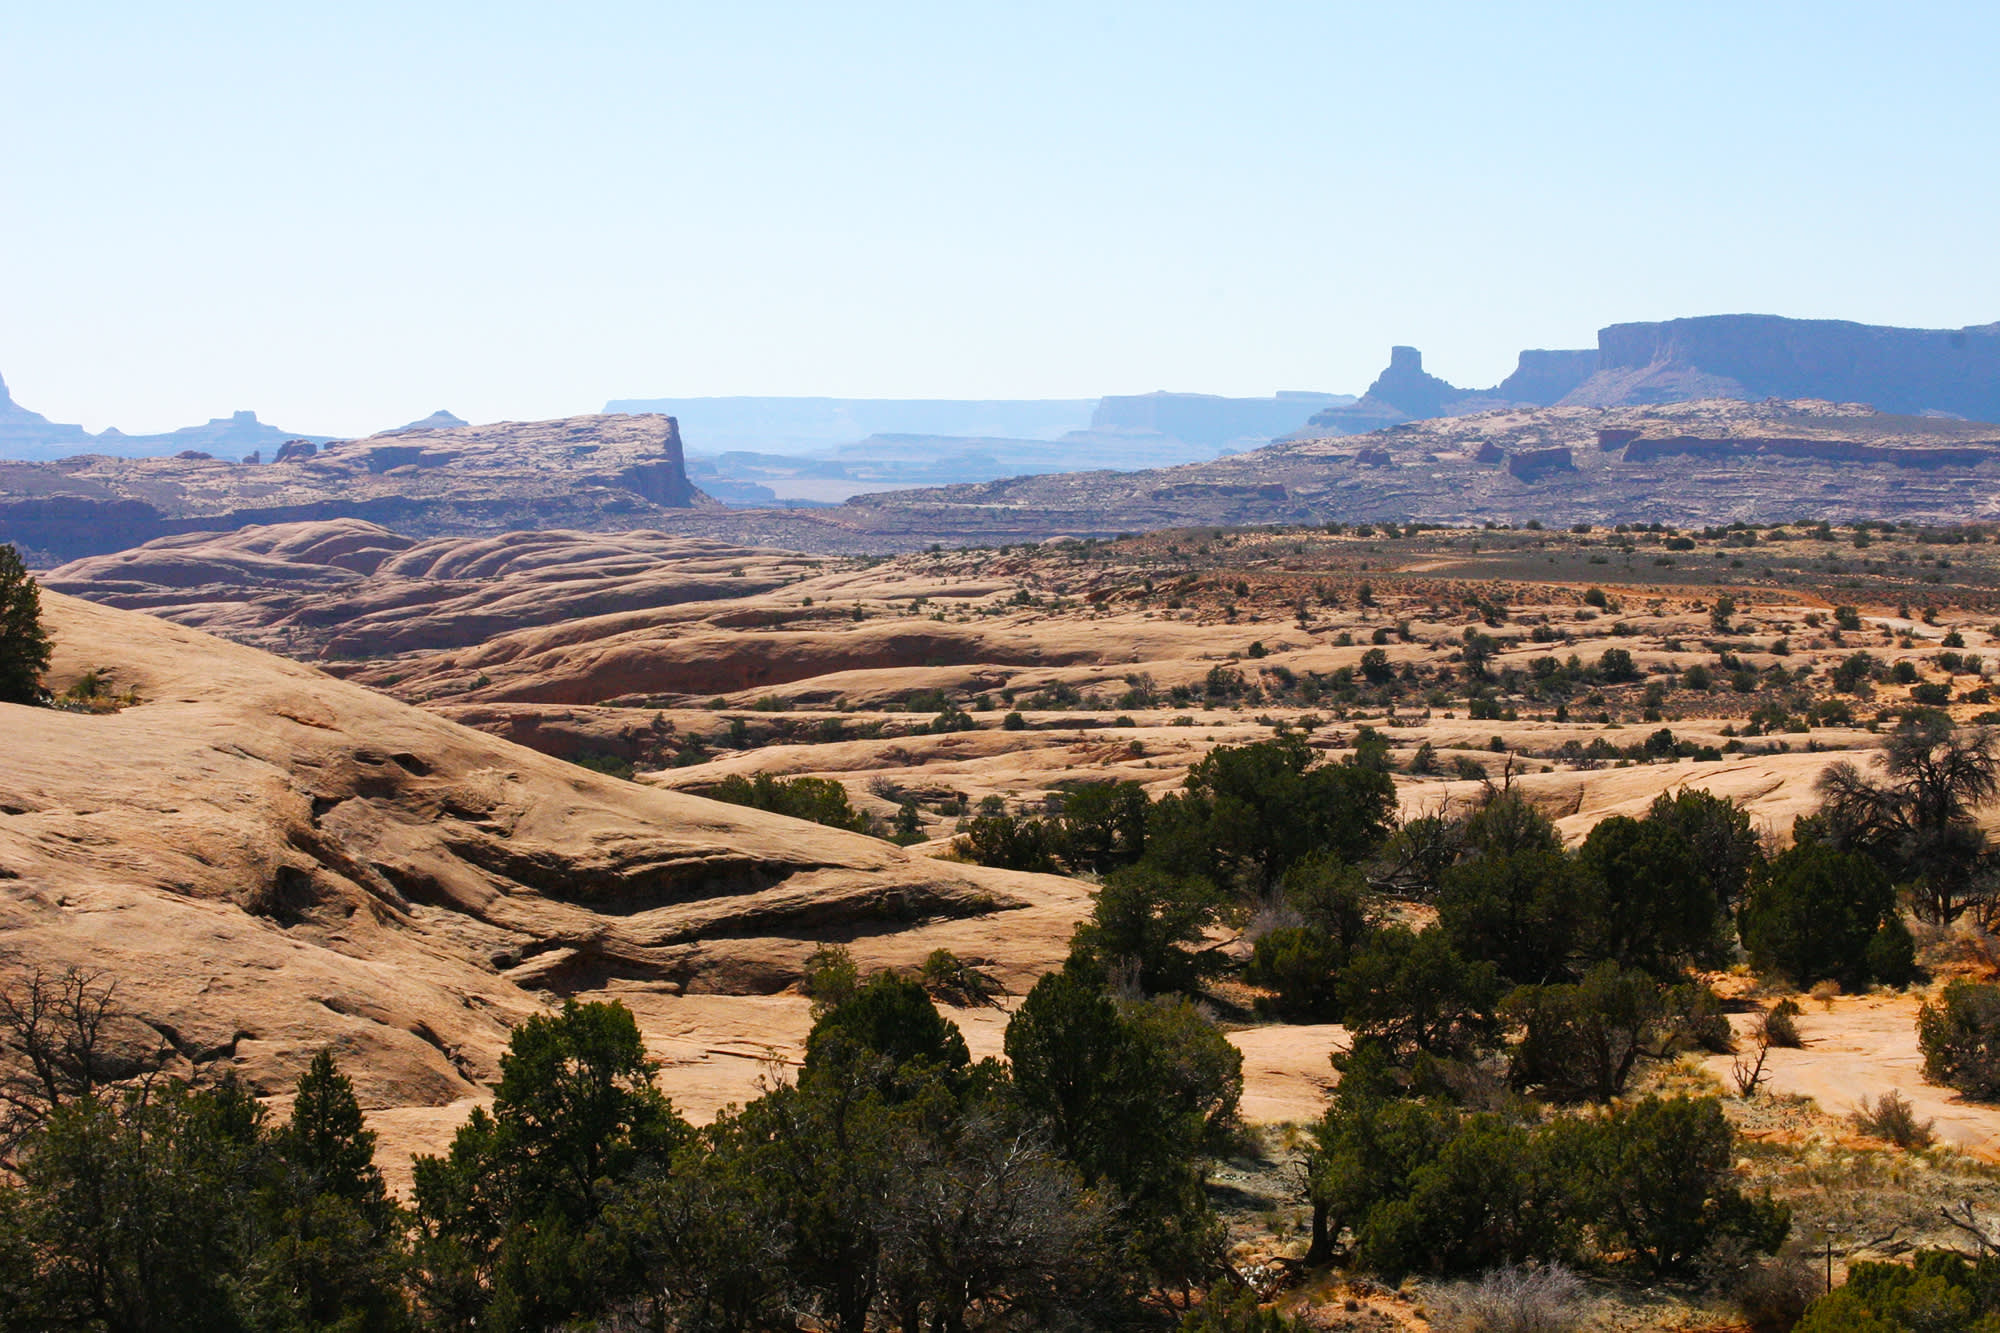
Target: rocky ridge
x=1709 y=461
x=602 y=472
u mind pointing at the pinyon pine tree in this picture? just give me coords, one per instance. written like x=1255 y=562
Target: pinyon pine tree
x=24 y=644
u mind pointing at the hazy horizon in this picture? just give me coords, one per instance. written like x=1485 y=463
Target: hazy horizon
x=346 y=220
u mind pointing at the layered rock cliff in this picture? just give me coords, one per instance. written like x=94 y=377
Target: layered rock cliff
x=596 y=473
x=1950 y=371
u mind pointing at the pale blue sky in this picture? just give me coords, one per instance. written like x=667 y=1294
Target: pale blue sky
x=348 y=217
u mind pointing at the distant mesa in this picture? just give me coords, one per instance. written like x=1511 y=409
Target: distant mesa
x=1407 y=392
x=805 y=452
x=31 y=436
x=438 y=420
x=1945 y=372
x=1206 y=419
x=1911 y=372
x=790 y=425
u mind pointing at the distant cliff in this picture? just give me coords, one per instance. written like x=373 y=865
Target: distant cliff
x=32 y=436
x=1200 y=418
x=601 y=473
x=1407 y=392
x=1944 y=372
x=1953 y=371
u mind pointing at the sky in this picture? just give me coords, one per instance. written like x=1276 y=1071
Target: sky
x=347 y=216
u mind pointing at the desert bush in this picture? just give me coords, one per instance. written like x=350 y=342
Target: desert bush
x=1521 y=910
x=1717 y=831
x=1425 y=1187
x=1939 y=1291
x=1155 y=923
x=1919 y=819
x=1009 y=842
x=1102 y=826
x=1579 y=1043
x=951 y=718
x=1236 y=1310
x=1300 y=958
x=1959 y=1035
x=1776 y=1293
x=821 y=800
x=1665 y=1188
x=1301 y=965
x=1780 y=1024
x=1891 y=1117
x=1549 y=1299
x=830 y=977
x=1695 y=1020
x=952 y=979
x=1248 y=813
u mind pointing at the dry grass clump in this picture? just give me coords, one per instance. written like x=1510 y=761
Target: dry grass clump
x=1516 y=1300
x=1891 y=1117
x=1775 y=1293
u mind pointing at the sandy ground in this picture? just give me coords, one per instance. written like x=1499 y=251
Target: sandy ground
x=1862 y=1047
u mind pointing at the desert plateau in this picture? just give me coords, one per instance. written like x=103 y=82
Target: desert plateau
x=1073 y=669
x=388 y=796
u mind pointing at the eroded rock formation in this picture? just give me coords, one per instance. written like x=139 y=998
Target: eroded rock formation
x=603 y=473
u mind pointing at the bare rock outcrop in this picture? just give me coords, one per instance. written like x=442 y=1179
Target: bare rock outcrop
x=603 y=473
x=269 y=861
x=347 y=588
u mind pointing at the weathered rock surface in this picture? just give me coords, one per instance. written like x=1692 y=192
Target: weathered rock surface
x=605 y=473
x=268 y=860
x=347 y=588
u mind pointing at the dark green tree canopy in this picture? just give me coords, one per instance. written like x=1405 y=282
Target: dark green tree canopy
x=24 y=643
x=1251 y=812
x=1648 y=903
x=893 y=1020
x=1819 y=913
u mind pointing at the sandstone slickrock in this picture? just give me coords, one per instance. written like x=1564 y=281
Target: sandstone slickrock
x=268 y=860
x=347 y=588
x=603 y=473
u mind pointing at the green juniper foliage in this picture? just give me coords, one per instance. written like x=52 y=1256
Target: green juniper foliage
x=24 y=643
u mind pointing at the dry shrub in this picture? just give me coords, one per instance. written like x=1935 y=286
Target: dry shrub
x=1775 y=1294
x=1781 y=1024
x=1825 y=992
x=1516 y=1300
x=1892 y=1117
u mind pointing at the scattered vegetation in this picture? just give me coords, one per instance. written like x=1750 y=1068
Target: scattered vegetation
x=821 y=800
